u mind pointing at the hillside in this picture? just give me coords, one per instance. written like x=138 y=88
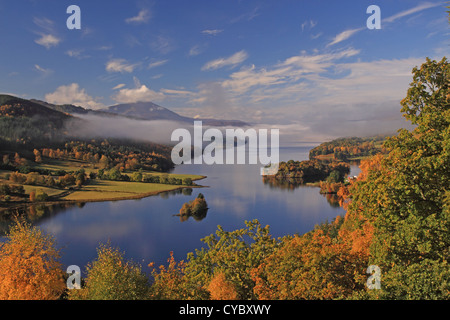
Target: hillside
x=22 y=121
x=11 y=106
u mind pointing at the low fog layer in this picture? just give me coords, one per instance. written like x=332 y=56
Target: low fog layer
x=294 y=134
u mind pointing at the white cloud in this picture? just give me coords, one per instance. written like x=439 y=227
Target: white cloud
x=178 y=92
x=120 y=85
x=195 y=50
x=344 y=36
x=143 y=17
x=308 y=24
x=420 y=7
x=288 y=71
x=333 y=93
x=73 y=94
x=120 y=65
x=212 y=32
x=139 y=93
x=157 y=63
x=232 y=60
x=76 y=53
x=42 y=70
x=162 y=44
x=47 y=34
x=48 y=40
x=351 y=32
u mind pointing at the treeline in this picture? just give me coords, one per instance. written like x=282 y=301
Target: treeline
x=312 y=170
x=138 y=176
x=110 y=153
x=346 y=148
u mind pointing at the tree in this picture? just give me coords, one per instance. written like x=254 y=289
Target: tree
x=137 y=176
x=233 y=253
x=404 y=196
x=312 y=266
x=104 y=162
x=114 y=174
x=171 y=282
x=6 y=159
x=41 y=195
x=37 y=156
x=110 y=277
x=29 y=265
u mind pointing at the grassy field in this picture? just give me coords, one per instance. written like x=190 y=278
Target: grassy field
x=110 y=190
x=67 y=165
x=50 y=191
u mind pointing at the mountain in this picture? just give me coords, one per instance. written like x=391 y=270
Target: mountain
x=146 y=111
x=152 y=111
x=140 y=111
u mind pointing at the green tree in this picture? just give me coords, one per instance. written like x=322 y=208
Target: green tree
x=136 y=176
x=114 y=174
x=405 y=196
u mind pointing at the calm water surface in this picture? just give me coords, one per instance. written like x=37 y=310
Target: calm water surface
x=147 y=229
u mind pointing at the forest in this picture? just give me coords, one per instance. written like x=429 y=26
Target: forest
x=347 y=149
x=397 y=219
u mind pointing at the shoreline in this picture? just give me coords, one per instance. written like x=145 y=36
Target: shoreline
x=138 y=196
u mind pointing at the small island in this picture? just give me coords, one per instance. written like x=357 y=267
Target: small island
x=196 y=208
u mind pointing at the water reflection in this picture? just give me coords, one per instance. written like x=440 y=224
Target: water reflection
x=147 y=230
x=34 y=214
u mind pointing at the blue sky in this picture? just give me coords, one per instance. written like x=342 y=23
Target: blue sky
x=311 y=68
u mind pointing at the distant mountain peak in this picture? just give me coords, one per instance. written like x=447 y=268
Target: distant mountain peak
x=152 y=111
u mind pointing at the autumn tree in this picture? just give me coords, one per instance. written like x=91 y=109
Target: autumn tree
x=111 y=277
x=37 y=156
x=233 y=253
x=171 y=282
x=29 y=265
x=316 y=265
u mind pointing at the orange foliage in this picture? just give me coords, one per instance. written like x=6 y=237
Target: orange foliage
x=29 y=269
x=369 y=164
x=221 y=289
x=313 y=266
